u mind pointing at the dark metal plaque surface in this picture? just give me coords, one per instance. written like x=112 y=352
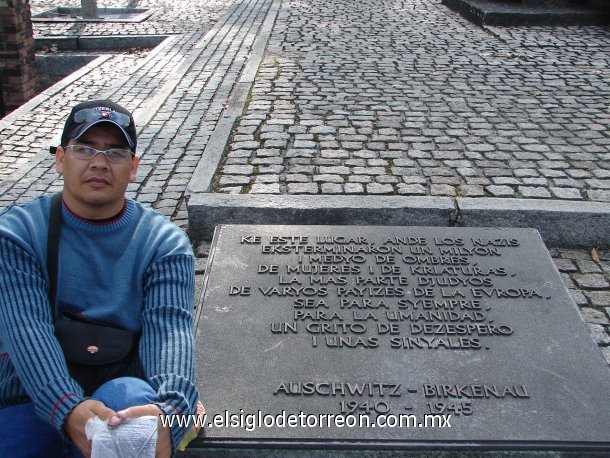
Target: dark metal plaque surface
x=373 y=324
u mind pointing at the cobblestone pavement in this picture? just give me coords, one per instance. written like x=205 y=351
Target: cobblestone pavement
x=352 y=97
x=406 y=97
x=22 y=139
x=586 y=276
x=27 y=171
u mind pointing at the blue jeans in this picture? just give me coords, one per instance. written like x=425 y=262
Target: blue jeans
x=23 y=434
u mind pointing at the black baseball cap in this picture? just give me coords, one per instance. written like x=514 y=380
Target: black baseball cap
x=87 y=114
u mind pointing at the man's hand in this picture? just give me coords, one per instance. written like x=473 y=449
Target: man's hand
x=75 y=423
x=164 y=438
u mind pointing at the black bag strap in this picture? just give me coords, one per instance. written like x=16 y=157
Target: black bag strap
x=53 y=248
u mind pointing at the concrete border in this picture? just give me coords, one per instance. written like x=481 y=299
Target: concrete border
x=53 y=67
x=207 y=210
x=99 y=43
x=67 y=14
x=560 y=223
x=490 y=13
x=211 y=158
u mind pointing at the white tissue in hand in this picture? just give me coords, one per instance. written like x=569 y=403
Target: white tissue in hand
x=134 y=438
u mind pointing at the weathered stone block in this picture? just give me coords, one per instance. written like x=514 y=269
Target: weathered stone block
x=340 y=320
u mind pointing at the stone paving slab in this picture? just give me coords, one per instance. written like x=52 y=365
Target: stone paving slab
x=585 y=272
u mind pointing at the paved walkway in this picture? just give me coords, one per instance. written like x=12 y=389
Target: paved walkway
x=375 y=97
x=26 y=168
x=406 y=97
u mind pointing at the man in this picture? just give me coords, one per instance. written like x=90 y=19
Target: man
x=120 y=264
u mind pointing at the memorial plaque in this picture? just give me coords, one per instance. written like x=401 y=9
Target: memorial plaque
x=392 y=337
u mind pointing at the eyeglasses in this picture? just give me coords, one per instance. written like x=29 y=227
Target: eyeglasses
x=86 y=153
x=90 y=115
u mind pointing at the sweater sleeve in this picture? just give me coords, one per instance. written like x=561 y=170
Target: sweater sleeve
x=26 y=331
x=166 y=345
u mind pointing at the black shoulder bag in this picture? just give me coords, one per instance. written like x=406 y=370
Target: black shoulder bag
x=94 y=352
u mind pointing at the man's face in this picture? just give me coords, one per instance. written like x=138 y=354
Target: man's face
x=95 y=188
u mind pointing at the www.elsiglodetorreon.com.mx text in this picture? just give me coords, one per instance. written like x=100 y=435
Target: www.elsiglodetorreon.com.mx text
x=252 y=421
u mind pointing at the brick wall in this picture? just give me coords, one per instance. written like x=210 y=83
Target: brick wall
x=17 y=59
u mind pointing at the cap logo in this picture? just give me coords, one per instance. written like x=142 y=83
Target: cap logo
x=92 y=349
x=87 y=114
